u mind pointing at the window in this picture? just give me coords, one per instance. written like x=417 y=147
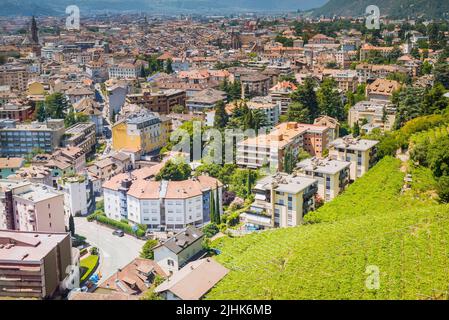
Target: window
x=170 y=262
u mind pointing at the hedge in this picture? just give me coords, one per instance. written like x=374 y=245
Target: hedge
x=116 y=224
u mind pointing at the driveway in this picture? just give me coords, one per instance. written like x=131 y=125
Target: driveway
x=115 y=252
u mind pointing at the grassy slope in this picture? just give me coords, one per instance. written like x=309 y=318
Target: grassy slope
x=371 y=224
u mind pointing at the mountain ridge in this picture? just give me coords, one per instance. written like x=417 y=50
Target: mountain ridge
x=52 y=7
x=391 y=8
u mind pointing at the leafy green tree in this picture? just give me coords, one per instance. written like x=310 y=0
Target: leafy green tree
x=443 y=189
x=426 y=68
x=212 y=209
x=306 y=95
x=232 y=89
x=298 y=112
x=408 y=104
x=217 y=206
x=441 y=74
x=289 y=161
x=242 y=181
x=356 y=129
x=174 y=171
x=329 y=100
x=221 y=117
x=434 y=100
x=56 y=105
x=210 y=230
x=169 y=66
x=73 y=117
x=41 y=113
x=438 y=157
x=178 y=108
x=148 y=249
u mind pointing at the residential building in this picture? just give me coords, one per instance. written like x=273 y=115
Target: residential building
x=134 y=279
x=125 y=70
x=78 y=195
x=382 y=89
x=115 y=96
x=255 y=84
x=270 y=109
x=331 y=123
x=15 y=76
x=193 y=281
x=161 y=205
x=37 y=265
x=281 y=200
x=9 y=166
x=34 y=174
x=19 y=140
x=361 y=153
x=16 y=111
x=177 y=251
x=142 y=131
x=375 y=112
x=281 y=93
x=161 y=101
x=92 y=109
x=255 y=152
x=367 y=51
x=366 y=72
x=81 y=135
x=332 y=175
x=31 y=207
x=78 y=93
x=347 y=80
x=205 y=100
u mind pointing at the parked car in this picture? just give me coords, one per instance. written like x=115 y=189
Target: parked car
x=118 y=233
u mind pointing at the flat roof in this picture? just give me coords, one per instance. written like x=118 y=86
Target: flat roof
x=325 y=166
x=23 y=246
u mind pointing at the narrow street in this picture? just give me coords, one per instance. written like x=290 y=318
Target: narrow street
x=115 y=252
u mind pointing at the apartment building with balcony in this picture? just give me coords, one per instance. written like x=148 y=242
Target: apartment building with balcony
x=281 y=200
x=281 y=93
x=332 y=175
x=15 y=76
x=19 y=140
x=270 y=148
x=160 y=101
x=125 y=70
x=37 y=265
x=82 y=136
x=361 y=153
x=26 y=206
x=161 y=205
x=269 y=108
x=374 y=112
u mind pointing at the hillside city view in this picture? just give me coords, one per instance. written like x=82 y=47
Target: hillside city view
x=243 y=150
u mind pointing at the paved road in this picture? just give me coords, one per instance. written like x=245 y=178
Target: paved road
x=115 y=252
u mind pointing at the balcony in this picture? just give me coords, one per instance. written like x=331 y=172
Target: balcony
x=310 y=192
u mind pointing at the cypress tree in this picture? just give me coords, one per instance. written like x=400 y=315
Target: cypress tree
x=212 y=207
x=217 y=204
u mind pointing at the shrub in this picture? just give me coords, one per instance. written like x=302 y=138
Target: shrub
x=210 y=230
x=443 y=189
x=228 y=197
x=116 y=224
x=94 y=251
x=147 y=249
